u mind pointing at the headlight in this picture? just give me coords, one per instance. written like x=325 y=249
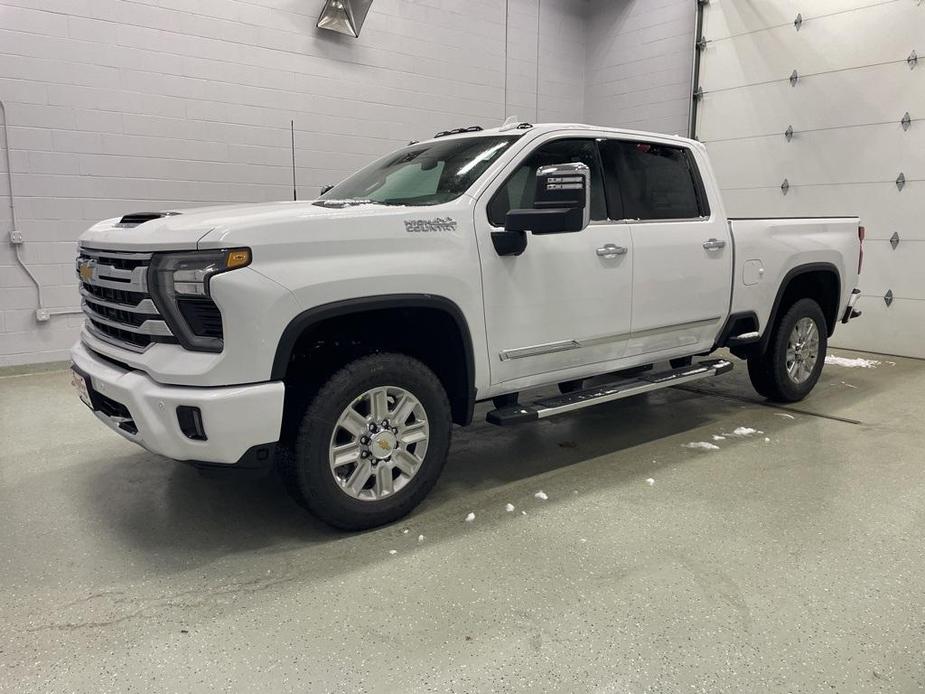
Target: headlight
x=179 y=285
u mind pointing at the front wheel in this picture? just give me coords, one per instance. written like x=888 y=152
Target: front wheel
x=788 y=370
x=372 y=443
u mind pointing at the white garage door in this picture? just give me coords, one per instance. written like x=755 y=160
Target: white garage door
x=856 y=79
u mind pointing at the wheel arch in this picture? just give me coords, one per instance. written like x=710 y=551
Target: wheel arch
x=458 y=379
x=822 y=277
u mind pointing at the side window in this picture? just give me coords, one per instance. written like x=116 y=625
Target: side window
x=654 y=181
x=519 y=189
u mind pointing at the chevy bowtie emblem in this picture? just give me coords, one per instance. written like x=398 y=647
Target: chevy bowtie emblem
x=85 y=270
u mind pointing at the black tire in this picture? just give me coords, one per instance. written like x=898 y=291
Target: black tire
x=768 y=371
x=567 y=387
x=306 y=470
x=759 y=376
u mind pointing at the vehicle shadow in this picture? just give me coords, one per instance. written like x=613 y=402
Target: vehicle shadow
x=177 y=517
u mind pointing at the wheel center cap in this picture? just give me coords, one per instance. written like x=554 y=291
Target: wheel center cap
x=382 y=444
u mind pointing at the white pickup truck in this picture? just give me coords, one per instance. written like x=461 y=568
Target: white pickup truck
x=342 y=337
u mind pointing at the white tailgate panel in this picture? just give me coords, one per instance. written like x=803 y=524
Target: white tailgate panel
x=848 y=145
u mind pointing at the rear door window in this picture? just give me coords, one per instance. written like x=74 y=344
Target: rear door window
x=653 y=181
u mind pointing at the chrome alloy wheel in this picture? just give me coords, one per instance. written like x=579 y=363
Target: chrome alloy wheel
x=379 y=443
x=802 y=350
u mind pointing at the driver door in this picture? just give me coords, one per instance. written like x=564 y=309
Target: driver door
x=561 y=309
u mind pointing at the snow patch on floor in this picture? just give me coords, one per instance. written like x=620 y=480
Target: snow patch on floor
x=717 y=437
x=541 y=495
x=393 y=551
x=703 y=445
x=859 y=363
x=784 y=414
x=420 y=538
x=509 y=508
x=470 y=517
x=650 y=481
x=745 y=431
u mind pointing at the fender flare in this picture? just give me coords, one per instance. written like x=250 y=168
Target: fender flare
x=788 y=278
x=303 y=321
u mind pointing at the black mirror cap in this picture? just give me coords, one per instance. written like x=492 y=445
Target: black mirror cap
x=509 y=242
x=553 y=220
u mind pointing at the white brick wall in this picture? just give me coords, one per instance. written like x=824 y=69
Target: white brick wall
x=639 y=61
x=124 y=105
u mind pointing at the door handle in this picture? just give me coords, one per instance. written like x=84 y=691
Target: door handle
x=714 y=244
x=611 y=250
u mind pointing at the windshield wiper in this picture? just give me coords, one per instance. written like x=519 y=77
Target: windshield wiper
x=348 y=202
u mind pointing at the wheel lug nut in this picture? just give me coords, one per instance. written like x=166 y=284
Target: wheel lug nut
x=364 y=454
x=385 y=423
x=364 y=440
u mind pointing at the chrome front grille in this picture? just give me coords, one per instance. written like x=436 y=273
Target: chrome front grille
x=115 y=299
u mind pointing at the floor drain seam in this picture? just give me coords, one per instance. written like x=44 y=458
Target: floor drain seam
x=739 y=398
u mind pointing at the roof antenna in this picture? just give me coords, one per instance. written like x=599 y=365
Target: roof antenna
x=292 y=136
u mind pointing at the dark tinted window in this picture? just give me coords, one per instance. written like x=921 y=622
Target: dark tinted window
x=520 y=188
x=653 y=181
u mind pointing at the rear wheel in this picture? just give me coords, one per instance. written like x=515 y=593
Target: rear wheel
x=788 y=370
x=372 y=442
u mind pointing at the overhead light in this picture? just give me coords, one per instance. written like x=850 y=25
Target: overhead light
x=344 y=16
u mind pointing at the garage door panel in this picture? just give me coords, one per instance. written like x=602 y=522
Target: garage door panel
x=894 y=329
x=725 y=17
x=775 y=53
x=899 y=270
x=871 y=153
x=881 y=207
x=843 y=98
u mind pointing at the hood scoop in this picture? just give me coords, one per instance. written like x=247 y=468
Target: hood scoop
x=135 y=218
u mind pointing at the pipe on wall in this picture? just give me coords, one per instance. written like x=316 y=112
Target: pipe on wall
x=41 y=313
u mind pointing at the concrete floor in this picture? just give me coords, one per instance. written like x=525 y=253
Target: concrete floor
x=790 y=565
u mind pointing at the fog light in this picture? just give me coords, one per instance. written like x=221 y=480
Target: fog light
x=190 y=421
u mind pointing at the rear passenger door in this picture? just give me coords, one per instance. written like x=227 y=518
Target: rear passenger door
x=682 y=265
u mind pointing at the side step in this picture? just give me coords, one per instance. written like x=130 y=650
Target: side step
x=617 y=390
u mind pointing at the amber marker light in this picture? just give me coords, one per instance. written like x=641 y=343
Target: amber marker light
x=238 y=257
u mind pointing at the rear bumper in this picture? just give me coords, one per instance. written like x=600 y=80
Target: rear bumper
x=850 y=311
x=235 y=419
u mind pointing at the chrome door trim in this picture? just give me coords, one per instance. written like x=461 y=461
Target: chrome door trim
x=699 y=323
x=537 y=350
x=565 y=345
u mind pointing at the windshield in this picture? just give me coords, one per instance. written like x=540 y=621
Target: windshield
x=425 y=174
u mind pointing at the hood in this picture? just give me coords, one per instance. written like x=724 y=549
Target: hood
x=183 y=229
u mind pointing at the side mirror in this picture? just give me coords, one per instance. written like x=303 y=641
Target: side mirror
x=562 y=202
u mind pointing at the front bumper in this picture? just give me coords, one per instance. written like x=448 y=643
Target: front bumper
x=235 y=418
